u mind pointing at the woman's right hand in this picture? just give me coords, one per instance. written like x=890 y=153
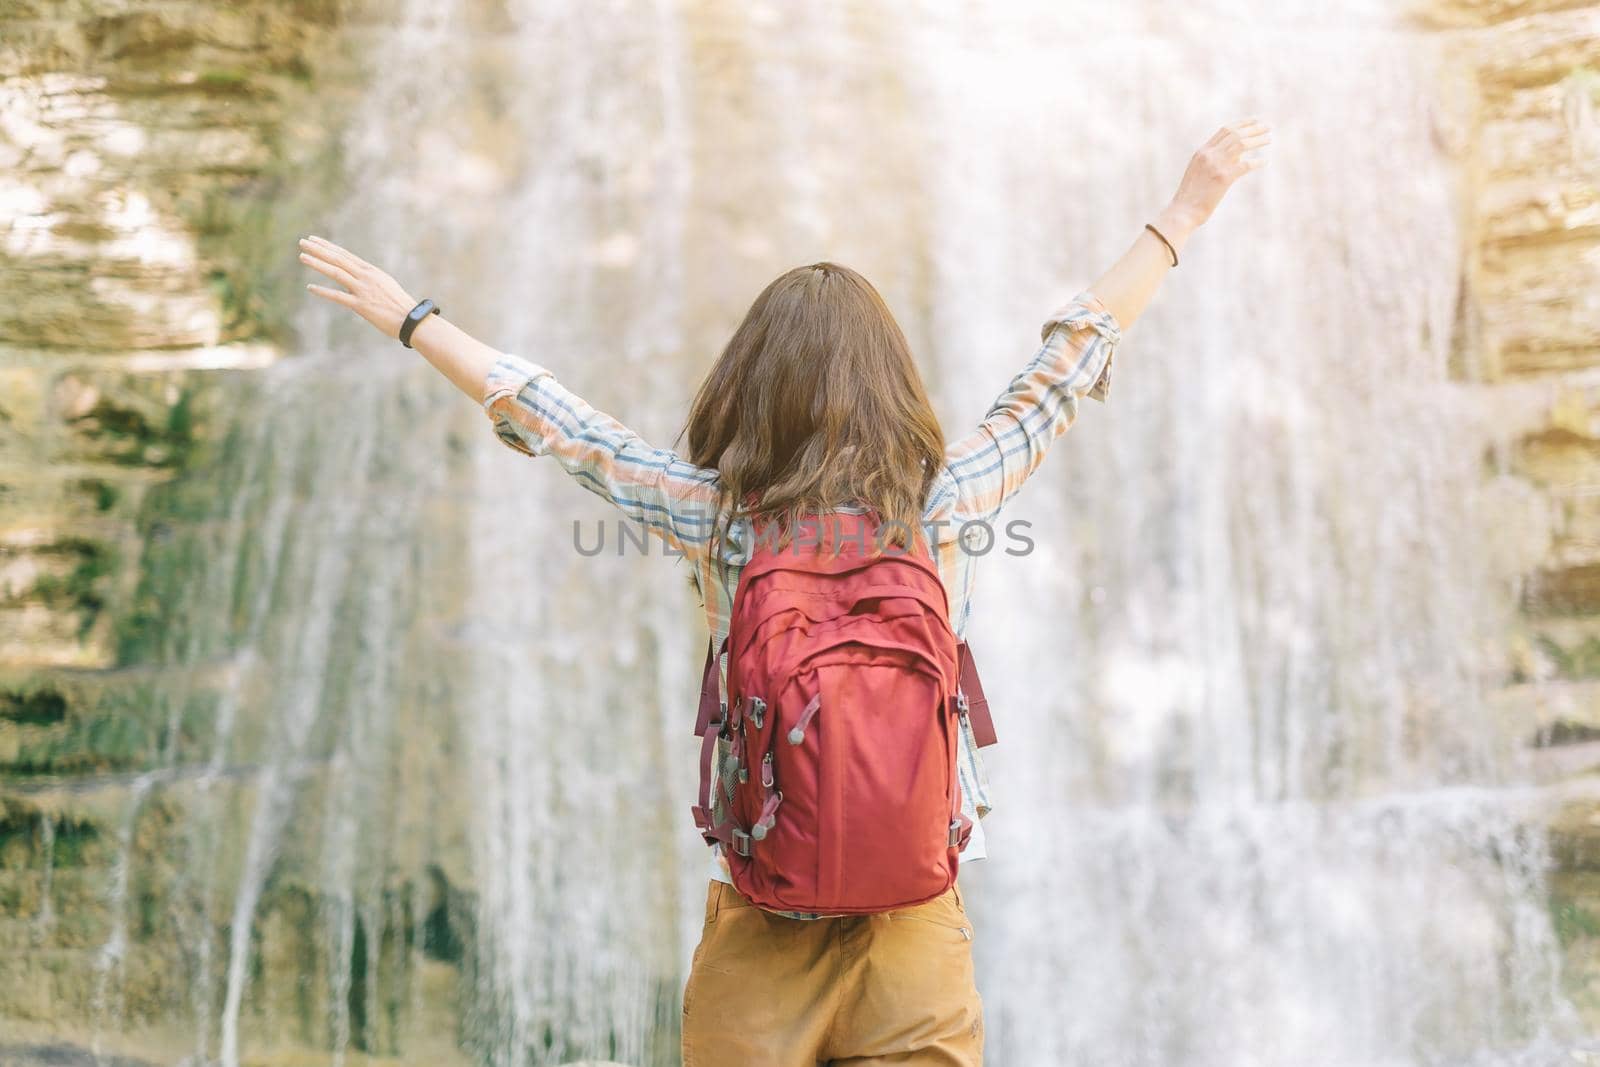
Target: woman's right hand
x=1214 y=168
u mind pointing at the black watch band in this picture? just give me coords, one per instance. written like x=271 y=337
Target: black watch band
x=423 y=309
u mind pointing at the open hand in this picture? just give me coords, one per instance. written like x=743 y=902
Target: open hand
x=1219 y=163
x=368 y=291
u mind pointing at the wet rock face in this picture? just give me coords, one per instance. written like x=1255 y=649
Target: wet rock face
x=1534 y=265
x=1531 y=330
x=1539 y=159
x=156 y=160
x=153 y=172
x=144 y=146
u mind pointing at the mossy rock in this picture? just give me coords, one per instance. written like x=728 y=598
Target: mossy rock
x=71 y=723
x=104 y=494
x=25 y=844
x=126 y=731
x=1581 y=659
x=179 y=523
x=82 y=586
x=38 y=705
x=134 y=420
x=140 y=34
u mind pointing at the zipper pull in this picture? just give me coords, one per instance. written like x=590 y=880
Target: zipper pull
x=798 y=734
x=766 y=770
x=757 y=711
x=769 y=815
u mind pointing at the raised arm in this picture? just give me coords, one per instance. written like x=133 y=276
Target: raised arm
x=532 y=413
x=1080 y=337
x=536 y=415
x=1127 y=288
x=992 y=462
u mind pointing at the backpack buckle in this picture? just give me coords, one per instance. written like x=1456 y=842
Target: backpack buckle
x=955 y=832
x=740 y=842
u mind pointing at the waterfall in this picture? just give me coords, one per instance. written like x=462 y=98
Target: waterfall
x=1250 y=809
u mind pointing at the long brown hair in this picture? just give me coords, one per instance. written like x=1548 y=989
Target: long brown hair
x=814 y=403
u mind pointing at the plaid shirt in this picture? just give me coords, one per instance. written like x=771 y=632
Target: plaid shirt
x=534 y=414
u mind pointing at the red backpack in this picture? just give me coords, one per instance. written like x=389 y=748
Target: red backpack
x=835 y=762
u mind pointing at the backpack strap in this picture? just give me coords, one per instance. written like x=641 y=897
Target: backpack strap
x=727 y=832
x=971 y=687
x=709 y=725
x=710 y=688
x=969 y=691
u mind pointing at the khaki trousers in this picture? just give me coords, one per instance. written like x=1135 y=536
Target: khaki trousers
x=891 y=988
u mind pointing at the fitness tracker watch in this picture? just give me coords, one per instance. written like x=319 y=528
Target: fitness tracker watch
x=423 y=309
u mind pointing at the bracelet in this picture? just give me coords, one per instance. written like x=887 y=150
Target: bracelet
x=423 y=309
x=1164 y=241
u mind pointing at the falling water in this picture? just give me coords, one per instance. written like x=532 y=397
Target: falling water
x=46 y=917
x=109 y=960
x=1250 y=807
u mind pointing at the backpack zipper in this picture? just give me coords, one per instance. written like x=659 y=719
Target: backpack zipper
x=798 y=734
x=769 y=815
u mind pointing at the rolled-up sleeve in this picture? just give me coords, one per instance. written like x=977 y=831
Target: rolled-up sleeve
x=535 y=415
x=1041 y=403
x=1087 y=310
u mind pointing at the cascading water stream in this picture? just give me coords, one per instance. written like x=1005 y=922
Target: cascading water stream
x=1249 y=809
x=108 y=965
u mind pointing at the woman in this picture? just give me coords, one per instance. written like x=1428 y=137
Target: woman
x=816 y=405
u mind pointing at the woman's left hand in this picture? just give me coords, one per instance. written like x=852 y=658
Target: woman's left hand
x=372 y=294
